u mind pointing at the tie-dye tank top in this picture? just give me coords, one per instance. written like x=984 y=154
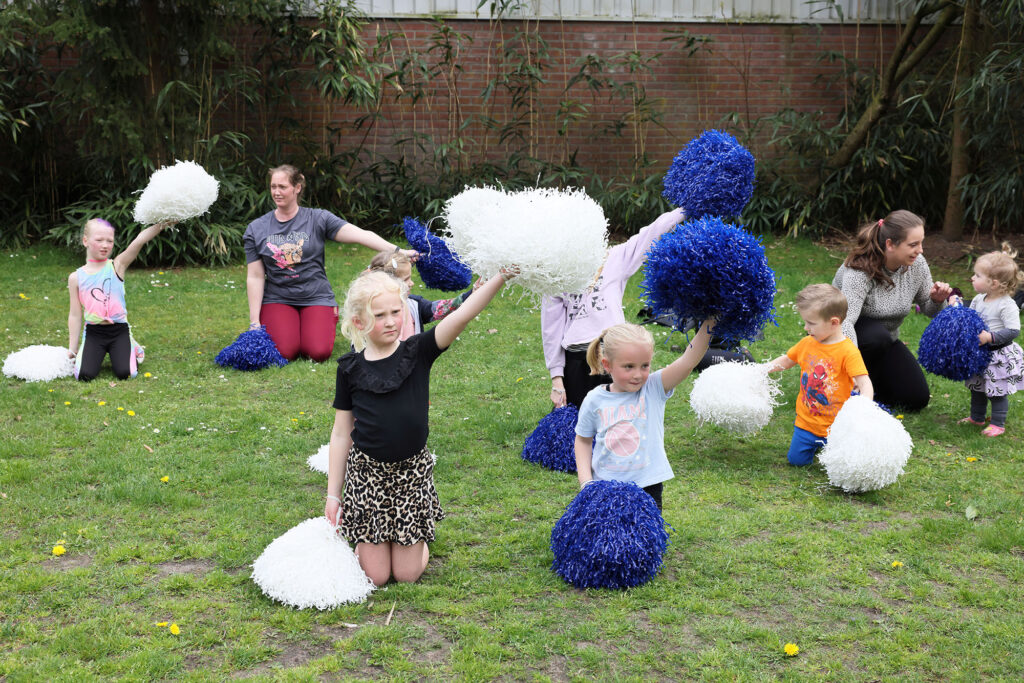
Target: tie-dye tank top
x=102 y=295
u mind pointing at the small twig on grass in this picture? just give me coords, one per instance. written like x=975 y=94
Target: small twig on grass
x=388 y=620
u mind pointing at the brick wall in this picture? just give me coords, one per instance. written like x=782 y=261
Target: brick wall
x=750 y=70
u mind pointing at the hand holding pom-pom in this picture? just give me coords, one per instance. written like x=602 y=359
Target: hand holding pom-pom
x=737 y=396
x=949 y=345
x=709 y=269
x=438 y=266
x=867 y=448
x=176 y=193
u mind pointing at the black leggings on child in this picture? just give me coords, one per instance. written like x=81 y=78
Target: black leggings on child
x=1000 y=407
x=576 y=377
x=100 y=340
x=895 y=375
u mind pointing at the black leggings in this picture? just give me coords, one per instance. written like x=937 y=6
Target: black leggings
x=576 y=378
x=895 y=375
x=654 y=491
x=979 y=405
x=100 y=340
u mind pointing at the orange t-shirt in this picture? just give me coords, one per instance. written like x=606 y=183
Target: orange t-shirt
x=826 y=380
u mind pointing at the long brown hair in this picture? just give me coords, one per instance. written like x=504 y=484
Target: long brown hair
x=869 y=253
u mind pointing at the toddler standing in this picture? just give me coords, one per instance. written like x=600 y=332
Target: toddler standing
x=995 y=276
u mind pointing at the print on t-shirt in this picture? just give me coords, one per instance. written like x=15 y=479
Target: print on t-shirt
x=623 y=427
x=578 y=307
x=287 y=249
x=818 y=385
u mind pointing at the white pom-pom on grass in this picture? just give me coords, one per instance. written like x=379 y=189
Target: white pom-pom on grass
x=39 y=363
x=558 y=238
x=737 y=396
x=176 y=193
x=311 y=566
x=867 y=447
x=319 y=460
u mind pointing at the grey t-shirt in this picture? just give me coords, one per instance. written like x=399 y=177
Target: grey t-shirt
x=293 y=256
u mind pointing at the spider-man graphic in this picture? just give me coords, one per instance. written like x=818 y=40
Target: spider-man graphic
x=814 y=384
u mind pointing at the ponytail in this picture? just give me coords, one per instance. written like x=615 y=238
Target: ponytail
x=594 y=355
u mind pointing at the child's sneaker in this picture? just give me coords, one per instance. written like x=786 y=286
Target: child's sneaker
x=993 y=430
x=971 y=421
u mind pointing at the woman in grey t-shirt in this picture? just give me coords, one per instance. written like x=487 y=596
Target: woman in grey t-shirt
x=286 y=283
x=882 y=278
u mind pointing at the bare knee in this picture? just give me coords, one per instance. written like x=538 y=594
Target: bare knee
x=408 y=574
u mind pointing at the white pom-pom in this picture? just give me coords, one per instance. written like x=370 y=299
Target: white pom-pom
x=176 y=193
x=558 y=238
x=39 y=363
x=318 y=461
x=867 y=447
x=737 y=396
x=311 y=566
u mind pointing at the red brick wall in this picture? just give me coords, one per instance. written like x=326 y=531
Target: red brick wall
x=751 y=70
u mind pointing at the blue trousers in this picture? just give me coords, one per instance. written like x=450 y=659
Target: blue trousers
x=803 y=447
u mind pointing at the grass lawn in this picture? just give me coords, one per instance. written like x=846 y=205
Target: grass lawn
x=761 y=554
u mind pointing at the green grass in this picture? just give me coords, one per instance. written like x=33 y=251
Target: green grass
x=761 y=554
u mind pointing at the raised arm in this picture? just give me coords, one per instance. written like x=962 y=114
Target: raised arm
x=677 y=371
x=341 y=442
x=255 y=281
x=450 y=328
x=74 y=316
x=131 y=252
x=353 y=234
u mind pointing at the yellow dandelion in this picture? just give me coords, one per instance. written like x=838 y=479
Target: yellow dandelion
x=161 y=624
x=175 y=630
x=160 y=272
x=22 y=296
x=148 y=374
x=896 y=564
x=120 y=407
x=199 y=353
x=165 y=479
x=302 y=412
x=67 y=403
x=519 y=379
x=102 y=403
x=972 y=459
x=58 y=550
x=899 y=417
x=131 y=413
x=50 y=390
x=791 y=649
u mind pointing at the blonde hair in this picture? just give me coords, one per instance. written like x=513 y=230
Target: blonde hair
x=612 y=339
x=93 y=223
x=368 y=285
x=389 y=261
x=822 y=299
x=1001 y=267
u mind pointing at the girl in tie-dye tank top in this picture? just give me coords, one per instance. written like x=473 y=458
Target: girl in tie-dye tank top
x=98 y=318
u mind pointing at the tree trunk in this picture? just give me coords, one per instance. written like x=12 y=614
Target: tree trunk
x=953 y=220
x=902 y=62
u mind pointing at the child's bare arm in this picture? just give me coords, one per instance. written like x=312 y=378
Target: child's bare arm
x=678 y=370
x=337 y=458
x=450 y=328
x=864 y=386
x=584 y=448
x=781 y=363
x=131 y=252
x=74 y=316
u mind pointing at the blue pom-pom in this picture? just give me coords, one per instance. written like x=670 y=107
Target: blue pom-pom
x=707 y=268
x=712 y=176
x=551 y=444
x=611 y=536
x=253 y=350
x=439 y=268
x=949 y=345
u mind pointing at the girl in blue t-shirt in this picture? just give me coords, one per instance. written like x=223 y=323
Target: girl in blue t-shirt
x=620 y=433
x=378 y=456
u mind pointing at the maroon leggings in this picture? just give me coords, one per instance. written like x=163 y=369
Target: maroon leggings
x=306 y=330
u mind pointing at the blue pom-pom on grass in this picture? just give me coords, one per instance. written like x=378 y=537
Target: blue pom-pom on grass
x=611 y=536
x=551 y=444
x=707 y=268
x=438 y=267
x=712 y=176
x=949 y=345
x=253 y=350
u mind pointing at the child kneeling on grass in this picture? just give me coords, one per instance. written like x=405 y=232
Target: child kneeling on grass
x=830 y=366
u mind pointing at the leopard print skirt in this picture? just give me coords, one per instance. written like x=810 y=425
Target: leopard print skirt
x=390 y=501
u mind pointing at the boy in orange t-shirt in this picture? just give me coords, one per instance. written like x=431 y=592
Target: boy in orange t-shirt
x=830 y=366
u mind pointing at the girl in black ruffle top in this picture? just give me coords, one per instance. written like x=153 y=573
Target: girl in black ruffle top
x=378 y=444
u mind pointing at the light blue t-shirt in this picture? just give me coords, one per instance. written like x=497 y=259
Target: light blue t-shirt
x=628 y=429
